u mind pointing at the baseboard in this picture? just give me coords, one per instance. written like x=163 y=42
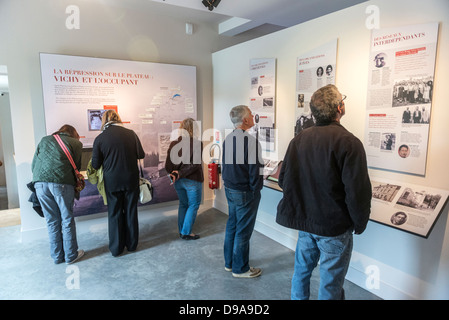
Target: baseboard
x=380 y=279
x=266 y=225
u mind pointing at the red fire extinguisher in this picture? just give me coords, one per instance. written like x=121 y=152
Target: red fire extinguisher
x=213 y=169
x=214 y=179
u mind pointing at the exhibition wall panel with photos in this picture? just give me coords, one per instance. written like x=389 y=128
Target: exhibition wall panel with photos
x=399 y=100
x=151 y=99
x=401 y=73
x=406 y=207
x=399 y=104
x=262 y=100
x=415 y=217
x=314 y=69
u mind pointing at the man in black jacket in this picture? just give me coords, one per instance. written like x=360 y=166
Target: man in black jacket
x=326 y=196
x=241 y=172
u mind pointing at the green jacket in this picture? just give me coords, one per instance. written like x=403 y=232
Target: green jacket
x=50 y=163
x=96 y=177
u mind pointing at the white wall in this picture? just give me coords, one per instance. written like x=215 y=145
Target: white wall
x=410 y=267
x=129 y=31
x=2 y=167
x=8 y=170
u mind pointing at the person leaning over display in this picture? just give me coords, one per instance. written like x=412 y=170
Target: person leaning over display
x=54 y=181
x=326 y=196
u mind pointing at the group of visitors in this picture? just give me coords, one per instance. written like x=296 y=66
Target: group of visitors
x=324 y=178
x=116 y=150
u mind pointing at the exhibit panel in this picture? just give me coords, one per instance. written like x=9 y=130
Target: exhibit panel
x=314 y=69
x=151 y=99
x=420 y=181
x=399 y=100
x=262 y=100
x=407 y=207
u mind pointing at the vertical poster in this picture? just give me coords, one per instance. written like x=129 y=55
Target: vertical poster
x=314 y=70
x=263 y=99
x=151 y=99
x=399 y=99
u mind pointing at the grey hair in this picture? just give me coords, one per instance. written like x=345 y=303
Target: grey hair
x=237 y=114
x=324 y=104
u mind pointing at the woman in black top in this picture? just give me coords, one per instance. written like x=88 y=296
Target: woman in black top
x=118 y=149
x=186 y=172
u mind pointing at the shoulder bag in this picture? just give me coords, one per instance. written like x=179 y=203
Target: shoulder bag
x=146 y=189
x=80 y=184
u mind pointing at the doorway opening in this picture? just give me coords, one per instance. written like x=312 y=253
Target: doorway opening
x=9 y=202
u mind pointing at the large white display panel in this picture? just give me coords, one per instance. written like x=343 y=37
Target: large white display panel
x=148 y=96
x=151 y=99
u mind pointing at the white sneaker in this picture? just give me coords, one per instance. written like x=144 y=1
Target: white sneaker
x=228 y=269
x=251 y=273
x=80 y=254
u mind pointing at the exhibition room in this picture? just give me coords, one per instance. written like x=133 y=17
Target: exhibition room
x=156 y=63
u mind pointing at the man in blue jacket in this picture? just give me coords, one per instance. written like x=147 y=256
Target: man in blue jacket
x=242 y=175
x=326 y=196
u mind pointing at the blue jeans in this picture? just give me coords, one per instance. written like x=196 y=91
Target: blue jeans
x=57 y=204
x=334 y=254
x=189 y=194
x=243 y=206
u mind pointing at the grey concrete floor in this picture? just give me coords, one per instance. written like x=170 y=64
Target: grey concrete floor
x=164 y=267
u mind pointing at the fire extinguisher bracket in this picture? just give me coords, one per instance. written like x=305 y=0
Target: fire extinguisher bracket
x=214 y=169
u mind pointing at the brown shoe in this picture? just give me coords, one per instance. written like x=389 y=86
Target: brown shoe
x=251 y=273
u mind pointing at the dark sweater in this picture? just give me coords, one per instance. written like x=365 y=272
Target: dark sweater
x=325 y=182
x=189 y=166
x=242 y=162
x=118 y=149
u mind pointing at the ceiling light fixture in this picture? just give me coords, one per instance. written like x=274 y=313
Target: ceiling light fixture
x=210 y=4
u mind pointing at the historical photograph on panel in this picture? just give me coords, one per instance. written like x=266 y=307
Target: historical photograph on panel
x=420 y=200
x=384 y=191
x=94 y=119
x=407 y=207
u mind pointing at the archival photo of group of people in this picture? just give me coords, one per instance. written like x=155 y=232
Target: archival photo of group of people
x=413 y=91
x=415 y=96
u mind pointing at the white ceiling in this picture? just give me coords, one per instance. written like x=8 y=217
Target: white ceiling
x=232 y=17
x=244 y=15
